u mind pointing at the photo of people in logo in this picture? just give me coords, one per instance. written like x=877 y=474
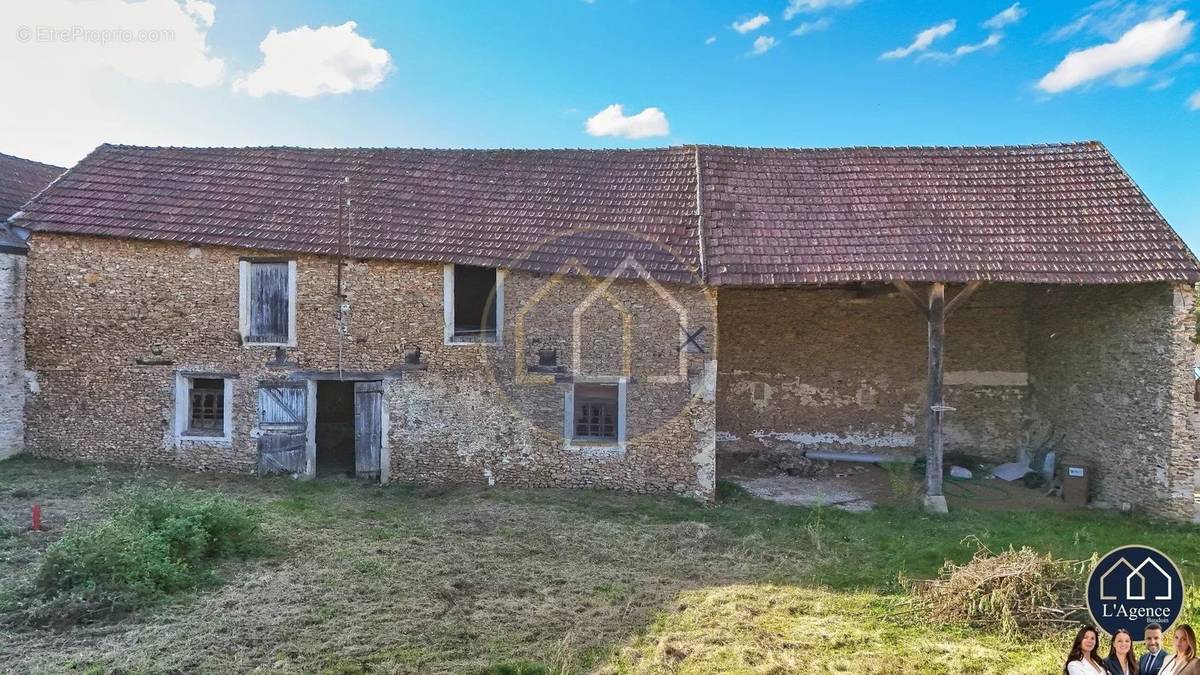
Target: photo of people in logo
x=1118 y=655
x=1134 y=595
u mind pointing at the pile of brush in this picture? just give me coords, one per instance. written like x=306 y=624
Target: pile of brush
x=1014 y=593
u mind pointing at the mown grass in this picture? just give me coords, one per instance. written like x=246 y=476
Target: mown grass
x=408 y=579
x=873 y=549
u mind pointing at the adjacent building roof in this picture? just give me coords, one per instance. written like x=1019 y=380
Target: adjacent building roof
x=20 y=180
x=729 y=216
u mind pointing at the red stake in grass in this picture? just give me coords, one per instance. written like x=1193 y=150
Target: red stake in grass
x=37 y=517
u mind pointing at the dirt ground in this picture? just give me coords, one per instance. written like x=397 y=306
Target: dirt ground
x=859 y=487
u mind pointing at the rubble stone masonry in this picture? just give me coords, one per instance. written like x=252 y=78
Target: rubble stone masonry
x=845 y=371
x=110 y=322
x=1105 y=370
x=1111 y=372
x=12 y=353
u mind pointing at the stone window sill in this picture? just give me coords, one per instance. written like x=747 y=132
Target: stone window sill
x=204 y=440
x=614 y=450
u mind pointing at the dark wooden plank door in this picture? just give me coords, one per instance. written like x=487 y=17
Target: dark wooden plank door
x=368 y=428
x=283 y=425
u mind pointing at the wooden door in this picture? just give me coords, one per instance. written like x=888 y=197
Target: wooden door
x=368 y=428
x=269 y=311
x=283 y=428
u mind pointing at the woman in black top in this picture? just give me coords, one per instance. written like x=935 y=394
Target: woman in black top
x=1121 y=660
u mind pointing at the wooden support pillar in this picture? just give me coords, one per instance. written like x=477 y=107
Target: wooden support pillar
x=935 y=309
x=935 y=500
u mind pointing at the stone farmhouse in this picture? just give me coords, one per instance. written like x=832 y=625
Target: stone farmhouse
x=20 y=180
x=555 y=317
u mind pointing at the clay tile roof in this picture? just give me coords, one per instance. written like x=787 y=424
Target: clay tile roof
x=1049 y=214
x=530 y=209
x=20 y=180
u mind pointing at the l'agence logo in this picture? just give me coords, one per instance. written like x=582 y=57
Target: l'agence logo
x=1132 y=586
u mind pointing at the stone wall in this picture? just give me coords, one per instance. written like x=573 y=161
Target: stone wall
x=12 y=354
x=515 y=430
x=846 y=371
x=1111 y=371
x=472 y=414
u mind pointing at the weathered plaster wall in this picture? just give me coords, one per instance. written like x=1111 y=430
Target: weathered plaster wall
x=837 y=370
x=1111 y=370
x=12 y=354
x=97 y=305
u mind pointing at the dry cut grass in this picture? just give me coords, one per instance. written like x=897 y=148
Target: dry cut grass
x=401 y=579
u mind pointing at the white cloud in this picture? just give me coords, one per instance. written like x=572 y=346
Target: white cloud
x=308 y=62
x=711 y=39
x=1128 y=78
x=1009 y=16
x=132 y=72
x=763 y=44
x=963 y=50
x=923 y=40
x=751 y=24
x=205 y=12
x=797 y=6
x=1072 y=28
x=1141 y=45
x=813 y=26
x=1110 y=19
x=612 y=121
x=152 y=41
x=1193 y=101
x=991 y=41
x=1162 y=83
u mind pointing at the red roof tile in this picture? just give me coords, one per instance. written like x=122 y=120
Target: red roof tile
x=1058 y=214
x=20 y=180
x=1054 y=214
x=532 y=209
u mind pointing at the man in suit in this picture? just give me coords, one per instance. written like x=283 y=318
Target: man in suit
x=1154 y=658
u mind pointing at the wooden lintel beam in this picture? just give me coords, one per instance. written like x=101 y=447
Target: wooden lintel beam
x=922 y=304
x=962 y=296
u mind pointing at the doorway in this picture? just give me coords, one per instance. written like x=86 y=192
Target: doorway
x=349 y=430
x=335 y=428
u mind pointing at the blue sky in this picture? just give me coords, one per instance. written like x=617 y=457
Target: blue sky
x=531 y=74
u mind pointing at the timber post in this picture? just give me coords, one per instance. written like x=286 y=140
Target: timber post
x=935 y=309
x=935 y=500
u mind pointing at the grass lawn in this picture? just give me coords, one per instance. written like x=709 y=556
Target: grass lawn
x=407 y=579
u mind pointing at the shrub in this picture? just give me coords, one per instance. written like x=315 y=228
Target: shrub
x=198 y=526
x=156 y=543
